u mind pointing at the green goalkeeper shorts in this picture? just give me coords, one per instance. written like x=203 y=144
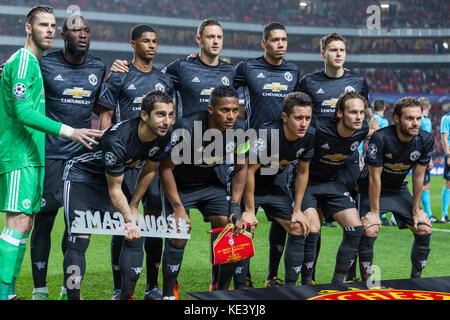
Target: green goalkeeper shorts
x=21 y=190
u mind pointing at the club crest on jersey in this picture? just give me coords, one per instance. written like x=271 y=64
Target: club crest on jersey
x=92 y=79
x=78 y=93
x=230 y=147
x=414 y=155
x=349 y=89
x=159 y=86
x=153 y=151
x=288 y=76
x=354 y=146
x=275 y=87
x=225 y=81
x=299 y=152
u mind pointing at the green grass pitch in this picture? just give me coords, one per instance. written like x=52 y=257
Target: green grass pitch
x=392 y=255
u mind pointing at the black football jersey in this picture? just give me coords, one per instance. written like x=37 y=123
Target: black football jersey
x=331 y=150
x=396 y=157
x=204 y=164
x=286 y=153
x=265 y=87
x=123 y=92
x=193 y=80
x=70 y=95
x=119 y=149
x=325 y=91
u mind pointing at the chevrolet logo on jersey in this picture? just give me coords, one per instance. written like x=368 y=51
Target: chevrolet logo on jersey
x=330 y=103
x=206 y=92
x=397 y=166
x=275 y=87
x=78 y=93
x=138 y=100
x=335 y=157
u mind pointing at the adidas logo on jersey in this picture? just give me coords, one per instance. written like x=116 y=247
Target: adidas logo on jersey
x=131 y=87
x=260 y=76
x=196 y=79
x=320 y=91
x=58 y=78
x=326 y=146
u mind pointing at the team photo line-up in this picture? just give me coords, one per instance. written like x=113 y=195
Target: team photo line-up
x=179 y=139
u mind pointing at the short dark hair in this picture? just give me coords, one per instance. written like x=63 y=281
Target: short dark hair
x=70 y=19
x=403 y=103
x=296 y=99
x=38 y=9
x=139 y=29
x=327 y=39
x=343 y=98
x=205 y=23
x=272 y=26
x=222 y=92
x=149 y=100
x=378 y=105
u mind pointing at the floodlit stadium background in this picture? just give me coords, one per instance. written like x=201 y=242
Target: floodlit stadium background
x=407 y=55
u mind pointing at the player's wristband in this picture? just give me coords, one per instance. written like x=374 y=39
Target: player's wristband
x=66 y=131
x=235 y=211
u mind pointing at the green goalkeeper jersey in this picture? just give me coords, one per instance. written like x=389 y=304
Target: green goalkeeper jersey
x=22 y=113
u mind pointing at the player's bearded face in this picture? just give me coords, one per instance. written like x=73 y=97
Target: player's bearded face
x=145 y=46
x=43 y=30
x=335 y=54
x=276 y=44
x=297 y=123
x=160 y=119
x=410 y=121
x=353 y=115
x=225 y=113
x=211 y=40
x=78 y=36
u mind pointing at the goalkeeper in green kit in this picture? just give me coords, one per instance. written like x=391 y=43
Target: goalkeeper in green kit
x=22 y=142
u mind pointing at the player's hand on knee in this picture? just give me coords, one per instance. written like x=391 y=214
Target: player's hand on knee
x=86 y=136
x=419 y=216
x=371 y=220
x=180 y=213
x=302 y=220
x=120 y=66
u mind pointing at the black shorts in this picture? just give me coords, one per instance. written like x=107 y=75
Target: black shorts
x=52 y=196
x=398 y=201
x=332 y=197
x=209 y=200
x=275 y=205
x=85 y=196
x=152 y=198
x=349 y=172
x=446 y=174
